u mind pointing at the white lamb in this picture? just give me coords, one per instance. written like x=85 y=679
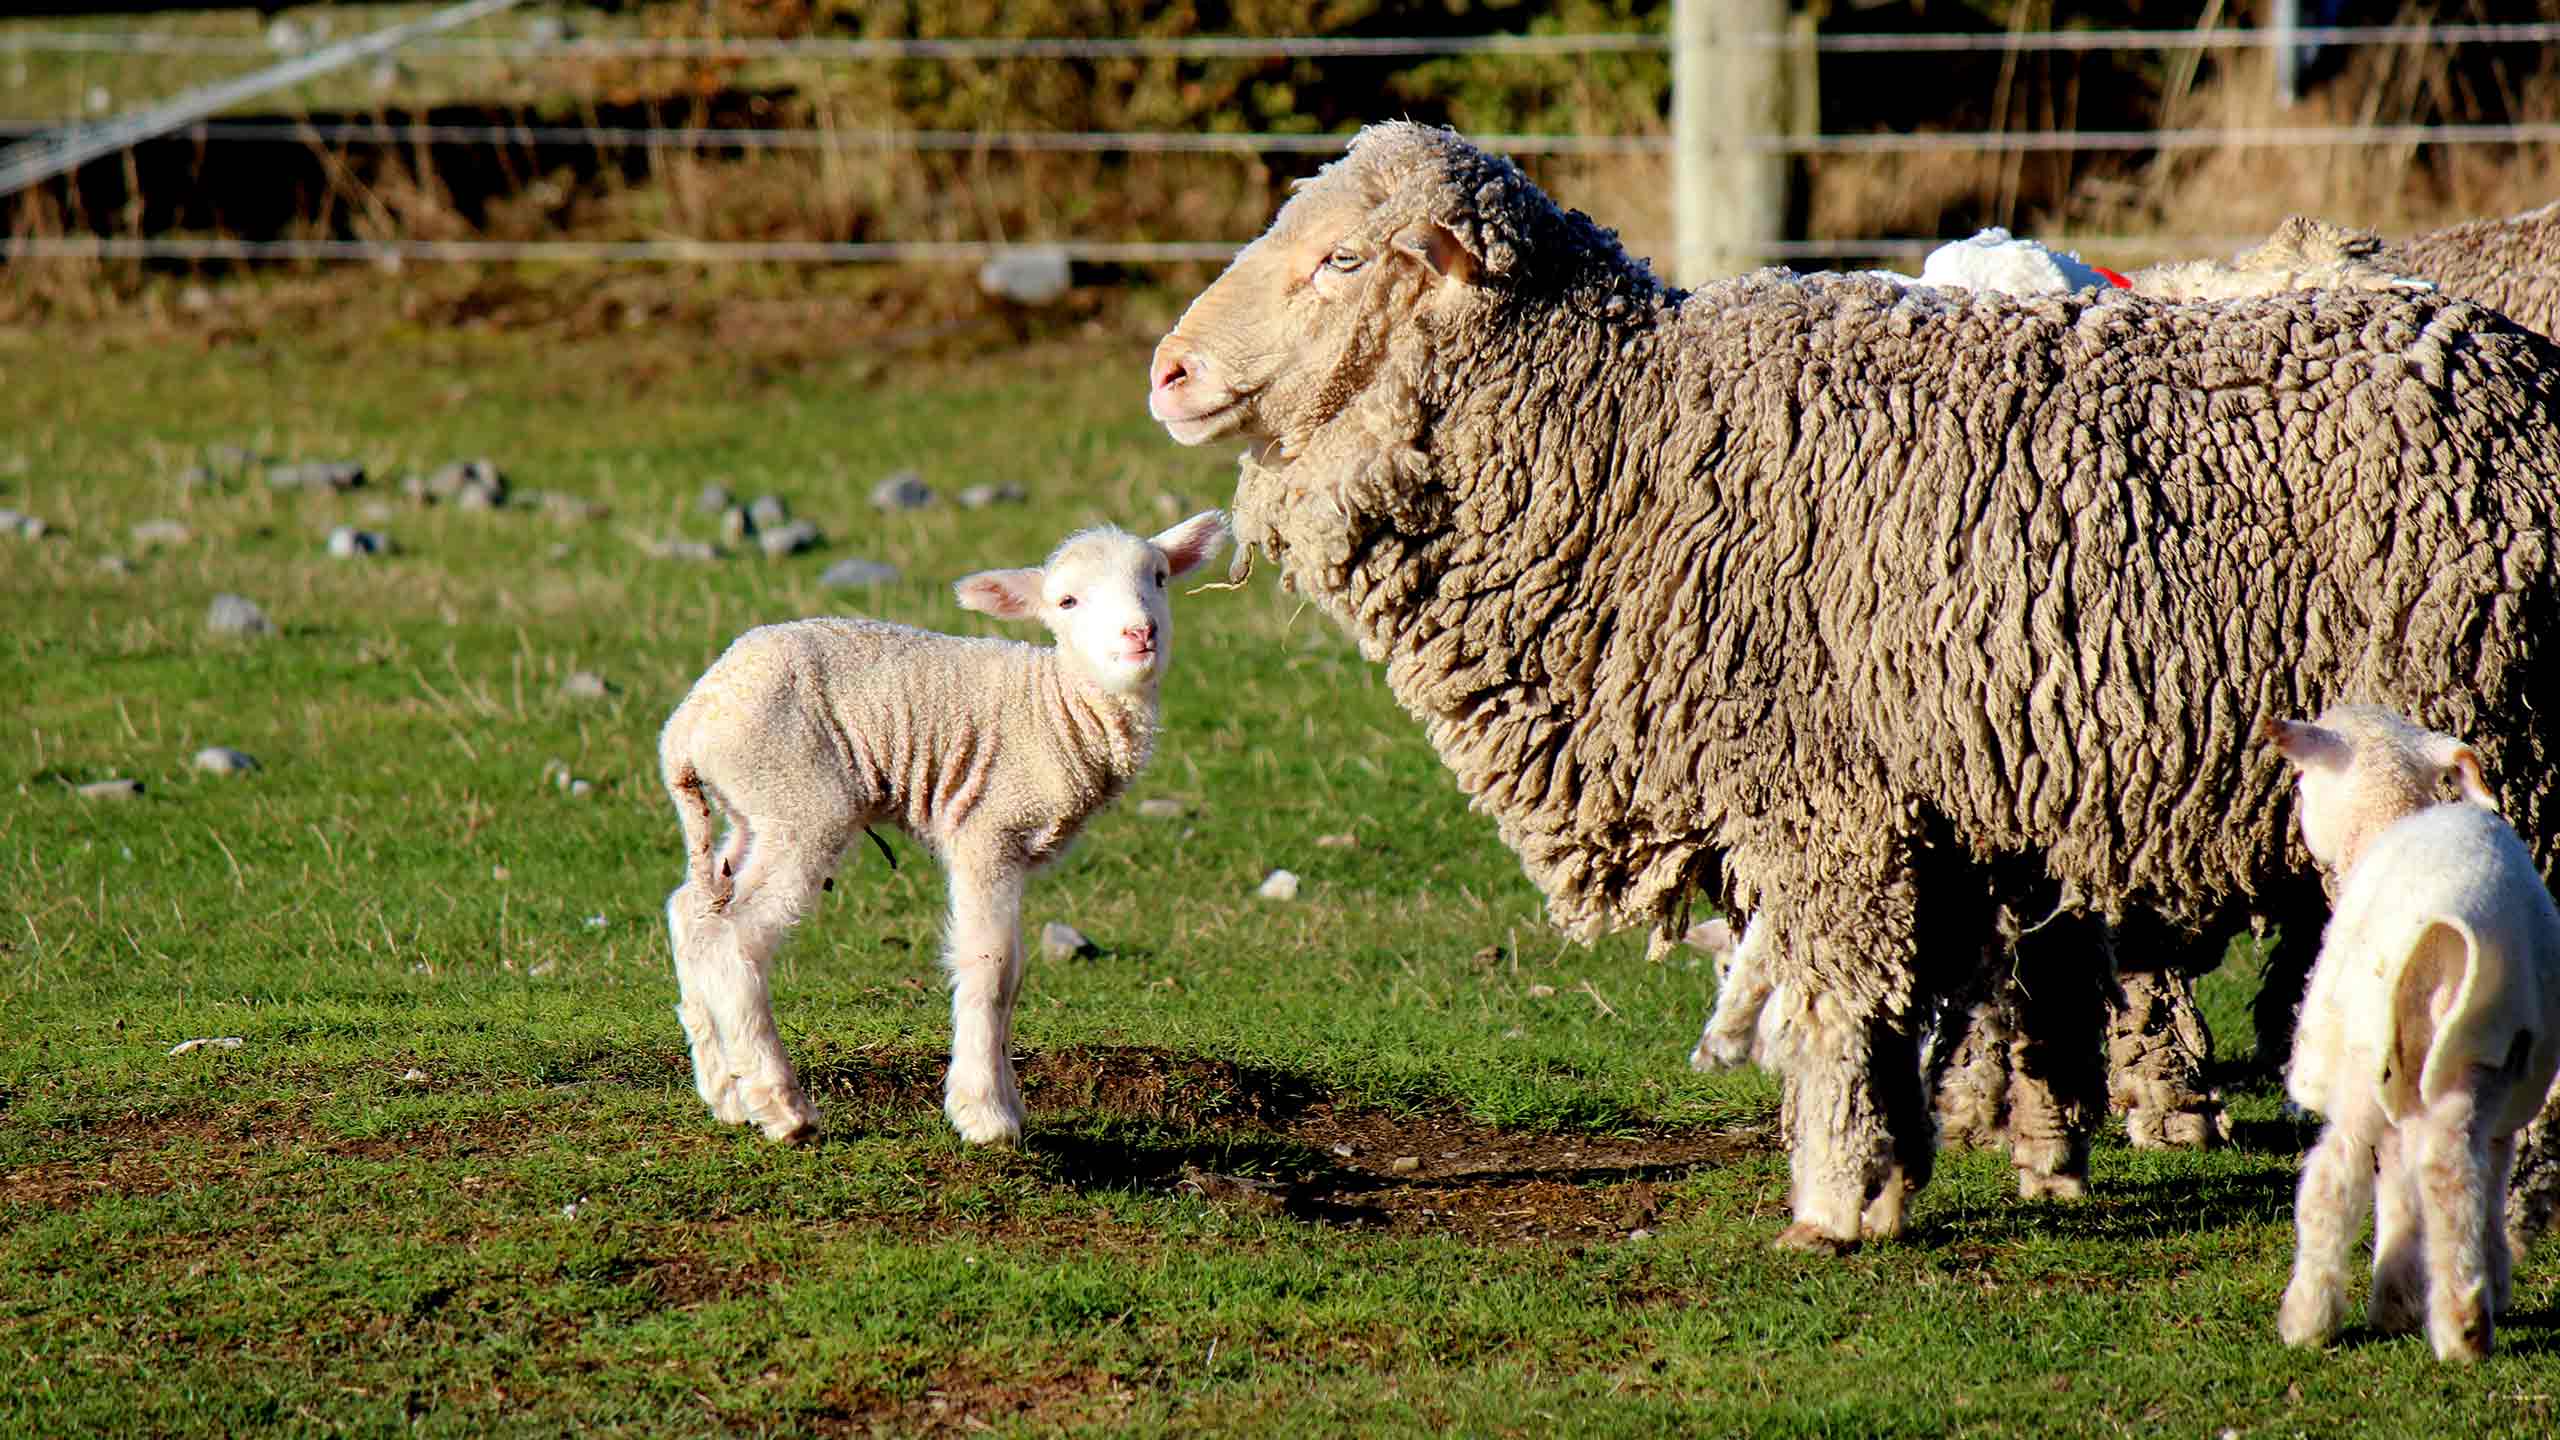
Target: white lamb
x=2429 y=1035
x=993 y=753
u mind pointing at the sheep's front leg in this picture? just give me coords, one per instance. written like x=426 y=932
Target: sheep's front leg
x=2328 y=1211
x=2399 y=1239
x=1860 y=1142
x=2502 y=1255
x=985 y=960
x=2453 y=1168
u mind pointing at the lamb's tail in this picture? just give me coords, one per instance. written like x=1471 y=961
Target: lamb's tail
x=693 y=810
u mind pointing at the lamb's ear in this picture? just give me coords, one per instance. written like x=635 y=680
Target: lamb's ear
x=2463 y=763
x=1005 y=594
x=1440 y=251
x=1186 y=545
x=2304 y=743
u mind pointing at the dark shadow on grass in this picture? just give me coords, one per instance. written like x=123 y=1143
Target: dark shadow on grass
x=2141 y=1211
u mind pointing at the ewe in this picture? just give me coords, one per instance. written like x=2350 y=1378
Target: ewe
x=1922 y=627
x=992 y=753
x=2430 y=1033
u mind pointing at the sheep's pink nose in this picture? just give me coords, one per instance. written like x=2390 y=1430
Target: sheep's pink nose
x=1142 y=634
x=1172 y=364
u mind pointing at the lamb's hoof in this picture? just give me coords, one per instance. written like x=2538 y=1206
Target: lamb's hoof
x=2306 y=1318
x=2398 y=1306
x=726 y=1106
x=984 y=1121
x=784 y=1115
x=2465 y=1344
x=1804 y=1236
x=2032 y=1186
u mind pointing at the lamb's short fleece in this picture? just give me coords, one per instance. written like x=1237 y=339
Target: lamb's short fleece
x=2430 y=1033
x=993 y=753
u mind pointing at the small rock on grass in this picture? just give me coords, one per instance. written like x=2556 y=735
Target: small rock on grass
x=210 y=1042
x=26 y=527
x=1405 y=1164
x=347 y=542
x=111 y=790
x=982 y=497
x=1061 y=941
x=766 y=512
x=1279 y=885
x=585 y=685
x=319 y=475
x=904 y=490
x=1162 y=807
x=232 y=615
x=712 y=499
x=223 y=760
x=789 y=539
x=857 y=574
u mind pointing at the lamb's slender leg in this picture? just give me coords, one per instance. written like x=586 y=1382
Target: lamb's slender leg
x=2502 y=1255
x=2453 y=1165
x=2329 y=1210
x=1743 y=987
x=689 y=928
x=2399 y=1301
x=985 y=959
x=781 y=878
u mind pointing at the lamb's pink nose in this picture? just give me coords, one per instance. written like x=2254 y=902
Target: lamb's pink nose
x=1172 y=365
x=1141 y=634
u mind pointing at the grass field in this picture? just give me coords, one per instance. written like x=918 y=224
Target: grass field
x=454 y=1178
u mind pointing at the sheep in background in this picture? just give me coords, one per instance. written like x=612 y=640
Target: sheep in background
x=2430 y=1033
x=2510 y=265
x=992 y=753
x=1873 y=610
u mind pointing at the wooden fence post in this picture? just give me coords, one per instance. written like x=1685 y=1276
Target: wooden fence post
x=1728 y=87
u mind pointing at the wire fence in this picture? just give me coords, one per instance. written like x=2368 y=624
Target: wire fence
x=658 y=138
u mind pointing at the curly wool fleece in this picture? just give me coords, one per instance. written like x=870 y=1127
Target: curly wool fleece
x=1783 y=577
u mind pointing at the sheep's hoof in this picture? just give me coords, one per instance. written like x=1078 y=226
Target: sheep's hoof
x=791 y=1130
x=2032 y=1186
x=2465 y=1342
x=1804 y=1236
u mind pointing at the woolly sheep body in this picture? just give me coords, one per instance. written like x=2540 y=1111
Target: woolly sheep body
x=2429 y=1035
x=2510 y=265
x=992 y=753
x=1858 y=604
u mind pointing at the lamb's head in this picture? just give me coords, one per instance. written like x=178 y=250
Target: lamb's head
x=2361 y=769
x=2302 y=254
x=1380 y=248
x=1104 y=594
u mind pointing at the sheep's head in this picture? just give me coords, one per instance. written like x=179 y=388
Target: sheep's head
x=1104 y=594
x=1412 y=223
x=2361 y=769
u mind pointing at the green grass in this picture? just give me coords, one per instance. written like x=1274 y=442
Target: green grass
x=547 y=1232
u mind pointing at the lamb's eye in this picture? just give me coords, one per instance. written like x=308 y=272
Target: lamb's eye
x=1160 y=579
x=1345 y=261
x=1066 y=602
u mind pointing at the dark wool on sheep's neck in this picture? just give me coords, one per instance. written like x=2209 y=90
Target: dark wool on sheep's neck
x=1820 y=578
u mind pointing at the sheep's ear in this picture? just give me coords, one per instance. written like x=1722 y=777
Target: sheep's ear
x=2304 y=743
x=1186 y=545
x=1005 y=594
x=1439 y=250
x=2464 y=764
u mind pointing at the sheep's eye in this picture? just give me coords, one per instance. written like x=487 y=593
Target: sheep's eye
x=1345 y=261
x=1159 y=579
x=1066 y=602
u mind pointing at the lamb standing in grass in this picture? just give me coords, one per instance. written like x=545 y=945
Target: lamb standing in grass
x=2430 y=1033
x=993 y=753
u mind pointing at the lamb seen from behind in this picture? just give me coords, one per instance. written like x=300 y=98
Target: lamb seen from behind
x=1927 y=629
x=992 y=753
x=2429 y=1035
